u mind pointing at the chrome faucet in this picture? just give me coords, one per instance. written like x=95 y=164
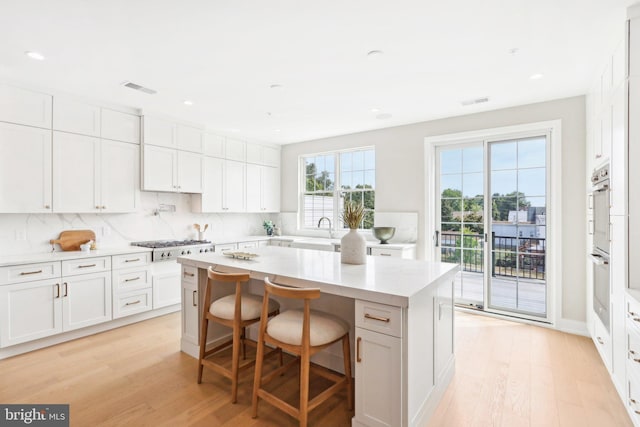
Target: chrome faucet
x=330 y=227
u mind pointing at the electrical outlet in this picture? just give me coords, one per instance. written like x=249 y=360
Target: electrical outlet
x=106 y=230
x=21 y=235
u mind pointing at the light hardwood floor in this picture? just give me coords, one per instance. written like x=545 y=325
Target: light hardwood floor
x=507 y=374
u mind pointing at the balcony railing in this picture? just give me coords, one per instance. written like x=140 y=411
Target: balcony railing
x=522 y=257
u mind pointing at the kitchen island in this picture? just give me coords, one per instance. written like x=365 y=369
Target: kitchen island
x=400 y=312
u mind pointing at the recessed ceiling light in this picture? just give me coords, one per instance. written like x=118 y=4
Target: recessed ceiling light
x=536 y=76
x=473 y=101
x=374 y=53
x=275 y=86
x=276 y=130
x=375 y=110
x=187 y=102
x=514 y=51
x=35 y=55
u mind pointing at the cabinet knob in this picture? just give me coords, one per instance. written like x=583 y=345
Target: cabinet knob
x=47 y=206
x=97 y=206
x=104 y=207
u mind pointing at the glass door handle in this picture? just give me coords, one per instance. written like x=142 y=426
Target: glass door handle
x=436 y=238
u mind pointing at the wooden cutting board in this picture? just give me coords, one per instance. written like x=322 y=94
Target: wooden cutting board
x=70 y=240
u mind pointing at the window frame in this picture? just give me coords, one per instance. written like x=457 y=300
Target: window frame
x=337 y=192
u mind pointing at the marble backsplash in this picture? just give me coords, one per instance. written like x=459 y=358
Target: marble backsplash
x=30 y=233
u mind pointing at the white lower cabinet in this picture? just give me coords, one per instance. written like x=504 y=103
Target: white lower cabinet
x=190 y=301
x=29 y=311
x=132 y=284
x=378 y=364
x=86 y=300
x=378 y=378
x=408 y=252
x=166 y=289
x=133 y=302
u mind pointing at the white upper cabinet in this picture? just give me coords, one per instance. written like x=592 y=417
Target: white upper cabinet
x=70 y=115
x=271 y=156
x=213 y=145
x=254 y=188
x=160 y=132
x=94 y=175
x=25 y=169
x=25 y=107
x=189 y=138
x=234 y=186
x=262 y=188
x=211 y=199
x=166 y=169
x=634 y=45
x=254 y=153
x=234 y=149
x=120 y=126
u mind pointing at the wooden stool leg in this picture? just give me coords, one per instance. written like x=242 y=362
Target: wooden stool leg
x=257 y=379
x=304 y=389
x=346 y=354
x=235 y=362
x=203 y=345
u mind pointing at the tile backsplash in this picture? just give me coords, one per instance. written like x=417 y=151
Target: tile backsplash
x=30 y=233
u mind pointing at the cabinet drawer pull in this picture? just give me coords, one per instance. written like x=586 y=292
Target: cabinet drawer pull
x=57 y=290
x=66 y=289
x=189 y=274
x=133 y=303
x=194 y=299
x=382 y=254
x=600 y=340
x=358 y=358
x=372 y=317
x=132 y=260
x=132 y=279
x=86 y=266
x=26 y=273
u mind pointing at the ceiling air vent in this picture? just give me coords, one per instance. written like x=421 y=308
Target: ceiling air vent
x=140 y=88
x=475 y=101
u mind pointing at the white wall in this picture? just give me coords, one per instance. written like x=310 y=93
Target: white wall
x=400 y=175
x=30 y=233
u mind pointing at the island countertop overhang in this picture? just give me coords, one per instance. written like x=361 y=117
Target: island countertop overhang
x=385 y=280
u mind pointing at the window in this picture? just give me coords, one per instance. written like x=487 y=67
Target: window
x=330 y=179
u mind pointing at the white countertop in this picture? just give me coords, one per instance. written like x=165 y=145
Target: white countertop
x=385 y=280
x=65 y=255
x=320 y=240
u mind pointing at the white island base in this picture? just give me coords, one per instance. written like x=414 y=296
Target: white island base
x=400 y=312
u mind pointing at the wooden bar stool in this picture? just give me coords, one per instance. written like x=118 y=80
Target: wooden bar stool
x=237 y=311
x=302 y=333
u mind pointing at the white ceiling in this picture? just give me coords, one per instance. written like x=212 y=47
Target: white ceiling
x=225 y=55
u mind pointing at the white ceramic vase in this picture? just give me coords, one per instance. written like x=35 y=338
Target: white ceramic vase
x=353 y=248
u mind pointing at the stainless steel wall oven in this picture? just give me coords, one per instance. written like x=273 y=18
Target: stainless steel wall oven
x=601 y=242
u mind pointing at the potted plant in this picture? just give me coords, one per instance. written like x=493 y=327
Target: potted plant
x=268 y=226
x=353 y=246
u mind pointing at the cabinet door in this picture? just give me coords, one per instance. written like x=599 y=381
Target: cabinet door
x=378 y=379
x=617 y=279
x=86 y=300
x=235 y=149
x=190 y=315
x=75 y=173
x=189 y=172
x=25 y=107
x=159 y=169
x=29 y=311
x=254 y=188
x=120 y=126
x=159 y=132
x=254 y=153
x=396 y=253
x=212 y=177
x=190 y=138
x=618 y=152
x=25 y=169
x=166 y=289
x=70 y=115
x=271 y=156
x=443 y=313
x=270 y=189
x=234 y=176
x=120 y=176
x=213 y=145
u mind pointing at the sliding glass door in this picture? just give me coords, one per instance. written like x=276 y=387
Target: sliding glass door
x=491 y=219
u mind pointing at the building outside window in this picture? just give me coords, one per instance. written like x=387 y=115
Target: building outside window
x=331 y=179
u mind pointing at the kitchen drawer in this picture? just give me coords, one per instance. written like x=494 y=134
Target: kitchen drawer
x=248 y=245
x=386 y=319
x=29 y=272
x=633 y=397
x=225 y=247
x=189 y=274
x=126 y=304
x=633 y=351
x=128 y=279
x=130 y=260
x=386 y=252
x=86 y=265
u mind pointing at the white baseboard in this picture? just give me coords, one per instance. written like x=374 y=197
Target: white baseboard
x=576 y=327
